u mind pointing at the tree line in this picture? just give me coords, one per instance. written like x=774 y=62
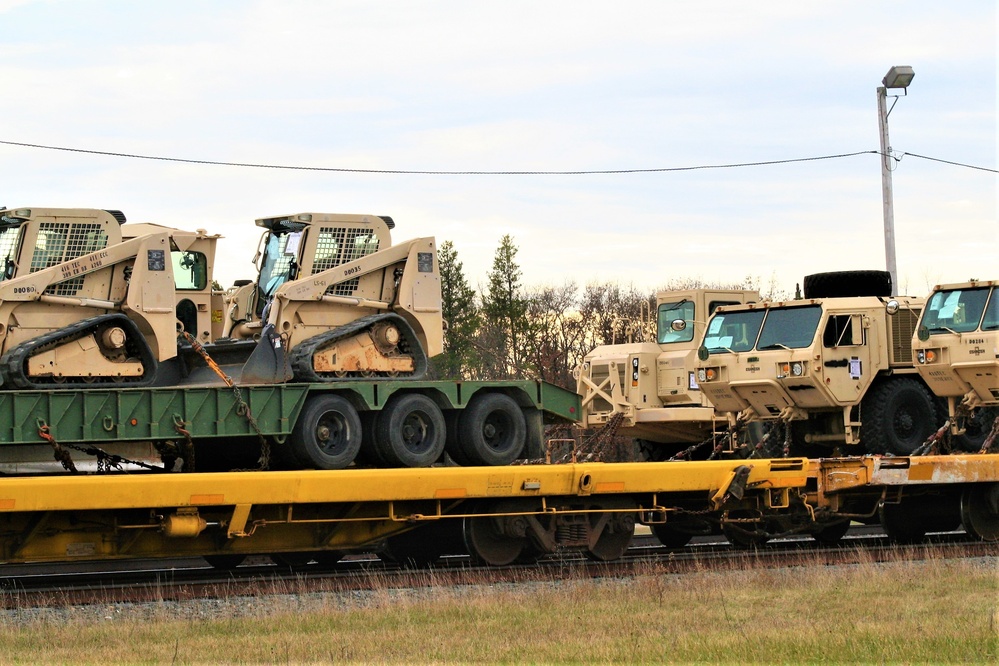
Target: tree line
x=513 y=331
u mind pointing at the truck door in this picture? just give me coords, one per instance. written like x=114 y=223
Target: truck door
x=846 y=359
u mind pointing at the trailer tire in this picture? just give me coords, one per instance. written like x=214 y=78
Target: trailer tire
x=839 y=284
x=410 y=431
x=897 y=416
x=327 y=434
x=492 y=430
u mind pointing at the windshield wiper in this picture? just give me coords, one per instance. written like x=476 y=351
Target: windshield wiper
x=938 y=329
x=775 y=345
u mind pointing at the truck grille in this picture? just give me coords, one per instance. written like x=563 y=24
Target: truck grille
x=599 y=373
x=903 y=327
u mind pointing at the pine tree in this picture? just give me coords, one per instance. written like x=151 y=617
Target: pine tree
x=458 y=307
x=504 y=311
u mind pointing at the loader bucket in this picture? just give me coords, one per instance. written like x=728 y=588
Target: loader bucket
x=268 y=363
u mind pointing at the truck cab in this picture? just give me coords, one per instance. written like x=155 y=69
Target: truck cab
x=651 y=384
x=812 y=364
x=956 y=350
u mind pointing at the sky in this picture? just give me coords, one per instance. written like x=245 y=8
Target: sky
x=517 y=85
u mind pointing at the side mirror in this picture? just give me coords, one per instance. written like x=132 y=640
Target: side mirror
x=891 y=307
x=923 y=333
x=678 y=325
x=702 y=353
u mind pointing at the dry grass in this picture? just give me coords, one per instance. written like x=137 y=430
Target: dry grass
x=929 y=611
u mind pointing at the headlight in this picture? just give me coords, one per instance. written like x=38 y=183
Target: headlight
x=707 y=374
x=790 y=369
x=924 y=356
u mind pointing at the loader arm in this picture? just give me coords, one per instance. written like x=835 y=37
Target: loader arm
x=403 y=279
x=55 y=297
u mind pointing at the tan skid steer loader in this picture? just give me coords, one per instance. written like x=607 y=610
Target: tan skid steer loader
x=334 y=300
x=84 y=300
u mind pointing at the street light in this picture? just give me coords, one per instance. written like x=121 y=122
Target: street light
x=898 y=77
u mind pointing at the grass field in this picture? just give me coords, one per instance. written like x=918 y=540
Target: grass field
x=930 y=611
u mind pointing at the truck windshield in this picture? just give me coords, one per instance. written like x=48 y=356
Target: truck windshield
x=9 y=237
x=670 y=312
x=790 y=328
x=733 y=331
x=959 y=311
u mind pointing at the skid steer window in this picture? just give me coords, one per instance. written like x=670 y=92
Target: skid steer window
x=9 y=240
x=341 y=245
x=61 y=242
x=190 y=270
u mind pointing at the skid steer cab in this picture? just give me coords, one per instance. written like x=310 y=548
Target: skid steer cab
x=335 y=300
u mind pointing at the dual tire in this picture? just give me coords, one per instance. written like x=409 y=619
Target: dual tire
x=409 y=431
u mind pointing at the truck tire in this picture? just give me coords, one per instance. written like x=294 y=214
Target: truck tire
x=897 y=416
x=410 y=431
x=327 y=434
x=976 y=430
x=839 y=284
x=492 y=430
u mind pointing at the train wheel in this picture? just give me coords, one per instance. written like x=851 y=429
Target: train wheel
x=409 y=431
x=327 y=558
x=224 y=562
x=671 y=537
x=487 y=543
x=492 y=430
x=901 y=524
x=425 y=545
x=897 y=416
x=615 y=537
x=831 y=533
x=980 y=511
x=327 y=434
x=293 y=561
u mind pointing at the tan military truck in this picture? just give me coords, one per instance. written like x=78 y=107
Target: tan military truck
x=957 y=354
x=651 y=385
x=834 y=370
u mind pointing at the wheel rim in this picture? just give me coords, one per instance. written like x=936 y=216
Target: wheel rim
x=415 y=431
x=332 y=433
x=496 y=431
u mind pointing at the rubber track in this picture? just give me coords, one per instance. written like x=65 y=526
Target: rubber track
x=12 y=363
x=301 y=355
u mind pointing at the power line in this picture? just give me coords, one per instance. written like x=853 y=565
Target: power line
x=409 y=172
x=435 y=173
x=937 y=159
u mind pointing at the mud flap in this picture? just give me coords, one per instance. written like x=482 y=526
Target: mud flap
x=268 y=363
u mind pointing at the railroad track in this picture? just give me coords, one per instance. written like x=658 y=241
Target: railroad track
x=37 y=585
